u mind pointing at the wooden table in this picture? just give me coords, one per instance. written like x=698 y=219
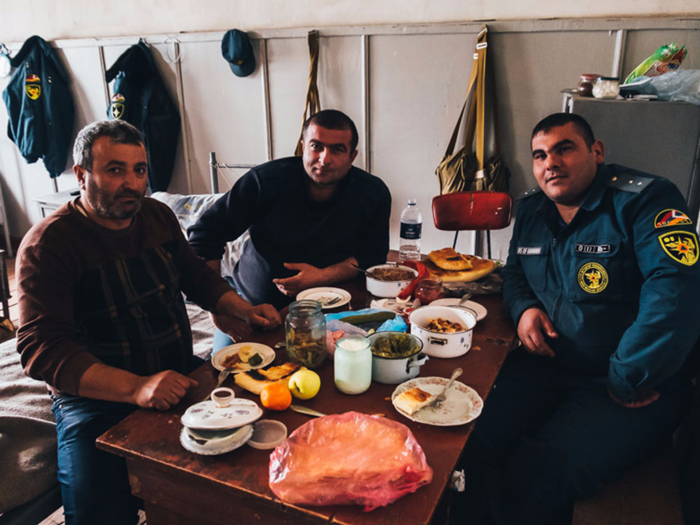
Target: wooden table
x=179 y=487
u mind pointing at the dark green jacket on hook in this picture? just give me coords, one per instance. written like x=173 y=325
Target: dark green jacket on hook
x=40 y=106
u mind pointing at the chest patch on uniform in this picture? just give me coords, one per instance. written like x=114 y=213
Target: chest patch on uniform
x=681 y=246
x=592 y=277
x=32 y=86
x=671 y=218
x=529 y=250
x=117 y=108
x=593 y=248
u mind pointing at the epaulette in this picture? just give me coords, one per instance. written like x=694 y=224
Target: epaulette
x=630 y=182
x=528 y=193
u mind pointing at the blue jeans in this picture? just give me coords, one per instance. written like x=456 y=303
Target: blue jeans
x=546 y=439
x=94 y=484
x=221 y=339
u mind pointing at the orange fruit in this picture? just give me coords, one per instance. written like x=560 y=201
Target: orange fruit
x=276 y=396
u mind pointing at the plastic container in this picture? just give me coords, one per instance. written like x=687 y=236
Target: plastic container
x=305 y=328
x=411 y=232
x=267 y=434
x=352 y=364
x=606 y=87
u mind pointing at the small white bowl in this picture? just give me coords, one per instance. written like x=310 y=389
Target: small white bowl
x=388 y=288
x=267 y=434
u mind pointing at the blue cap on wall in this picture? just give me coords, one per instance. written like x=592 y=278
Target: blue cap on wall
x=238 y=52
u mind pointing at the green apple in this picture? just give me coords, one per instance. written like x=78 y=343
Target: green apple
x=304 y=384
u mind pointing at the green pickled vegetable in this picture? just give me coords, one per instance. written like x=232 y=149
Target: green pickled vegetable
x=376 y=317
x=255 y=360
x=394 y=345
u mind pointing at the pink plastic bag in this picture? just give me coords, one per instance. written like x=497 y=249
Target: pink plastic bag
x=349 y=458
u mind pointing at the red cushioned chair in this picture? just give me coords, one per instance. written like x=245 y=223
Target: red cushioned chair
x=472 y=210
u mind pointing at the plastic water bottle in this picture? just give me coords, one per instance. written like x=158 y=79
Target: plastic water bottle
x=411 y=230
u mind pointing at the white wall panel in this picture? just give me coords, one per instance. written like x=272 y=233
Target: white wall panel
x=288 y=63
x=418 y=86
x=224 y=113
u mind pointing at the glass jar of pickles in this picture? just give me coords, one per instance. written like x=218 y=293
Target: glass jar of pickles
x=305 y=328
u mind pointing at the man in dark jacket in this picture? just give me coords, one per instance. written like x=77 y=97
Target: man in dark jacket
x=311 y=218
x=602 y=281
x=40 y=106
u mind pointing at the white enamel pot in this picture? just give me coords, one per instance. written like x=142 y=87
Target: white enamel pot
x=395 y=370
x=388 y=288
x=438 y=344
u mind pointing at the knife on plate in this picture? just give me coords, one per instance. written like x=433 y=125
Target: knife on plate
x=315 y=413
x=307 y=411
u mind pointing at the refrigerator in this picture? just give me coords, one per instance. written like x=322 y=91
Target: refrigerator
x=661 y=138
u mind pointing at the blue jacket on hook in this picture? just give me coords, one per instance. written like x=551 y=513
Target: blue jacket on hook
x=40 y=106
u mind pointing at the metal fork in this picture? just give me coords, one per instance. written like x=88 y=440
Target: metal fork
x=331 y=302
x=443 y=395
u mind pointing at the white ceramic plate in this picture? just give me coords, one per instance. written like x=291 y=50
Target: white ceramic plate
x=454 y=301
x=207 y=416
x=328 y=297
x=214 y=442
x=462 y=405
x=267 y=354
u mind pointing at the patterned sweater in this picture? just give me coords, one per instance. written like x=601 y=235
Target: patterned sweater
x=89 y=294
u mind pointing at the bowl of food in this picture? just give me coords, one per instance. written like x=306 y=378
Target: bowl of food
x=388 y=280
x=444 y=331
x=396 y=357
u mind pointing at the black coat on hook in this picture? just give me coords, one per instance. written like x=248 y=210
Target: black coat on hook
x=140 y=98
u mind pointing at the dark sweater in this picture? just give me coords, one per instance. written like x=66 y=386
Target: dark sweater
x=89 y=294
x=287 y=225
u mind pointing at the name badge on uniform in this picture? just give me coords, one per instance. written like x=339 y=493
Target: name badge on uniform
x=529 y=250
x=593 y=248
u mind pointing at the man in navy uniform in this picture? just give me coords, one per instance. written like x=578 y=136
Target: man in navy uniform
x=602 y=282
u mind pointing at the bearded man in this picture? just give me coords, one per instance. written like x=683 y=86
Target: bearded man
x=102 y=318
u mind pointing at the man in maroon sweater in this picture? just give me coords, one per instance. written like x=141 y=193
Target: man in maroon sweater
x=102 y=318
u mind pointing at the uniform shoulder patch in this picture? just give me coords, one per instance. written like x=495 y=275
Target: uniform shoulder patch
x=681 y=246
x=32 y=86
x=671 y=217
x=117 y=107
x=630 y=182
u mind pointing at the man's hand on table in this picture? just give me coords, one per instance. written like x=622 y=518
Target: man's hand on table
x=308 y=277
x=237 y=329
x=235 y=316
x=163 y=390
x=533 y=326
x=644 y=398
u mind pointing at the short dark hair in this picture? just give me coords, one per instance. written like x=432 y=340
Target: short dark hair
x=333 y=119
x=118 y=131
x=556 y=120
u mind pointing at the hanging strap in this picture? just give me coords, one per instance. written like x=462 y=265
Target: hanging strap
x=480 y=92
x=472 y=100
x=313 y=104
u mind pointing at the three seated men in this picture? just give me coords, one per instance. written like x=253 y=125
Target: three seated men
x=601 y=281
